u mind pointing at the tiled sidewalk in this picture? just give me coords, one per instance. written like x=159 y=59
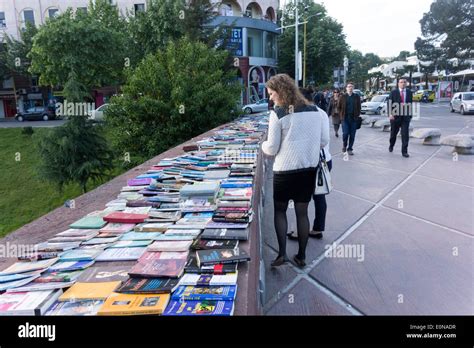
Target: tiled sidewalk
x=412 y=218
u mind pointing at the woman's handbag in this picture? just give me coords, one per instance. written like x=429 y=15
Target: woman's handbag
x=323 y=177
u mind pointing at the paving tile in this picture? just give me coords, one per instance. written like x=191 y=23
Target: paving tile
x=442 y=202
x=306 y=299
x=409 y=268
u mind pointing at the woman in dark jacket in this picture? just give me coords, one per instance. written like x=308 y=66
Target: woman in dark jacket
x=334 y=111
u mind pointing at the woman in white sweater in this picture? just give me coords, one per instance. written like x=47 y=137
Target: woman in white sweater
x=296 y=134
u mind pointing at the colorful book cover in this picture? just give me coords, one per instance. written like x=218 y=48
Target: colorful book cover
x=121 y=254
x=125 y=217
x=15 y=284
x=192 y=267
x=23 y=267
x=89 y=222
x=69 y=266
x=140 y=236
x=27 y=303
x=117 y=228
x=208 y=244
x=139 y=182
x=170 y=245
x=131 y=244
x=79 y=255
x=212 y=257
x=100 y=273
x=205 y=293
x=134 y=304
x=51 y=277
x=75 y=308
x=198 y=308
x=172 y=268
x=89 y=291
x=148 y=286
x=190 y=279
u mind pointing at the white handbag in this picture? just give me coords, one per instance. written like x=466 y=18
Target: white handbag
x=323 y=177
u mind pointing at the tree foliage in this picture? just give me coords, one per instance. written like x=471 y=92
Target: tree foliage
x=172 y=95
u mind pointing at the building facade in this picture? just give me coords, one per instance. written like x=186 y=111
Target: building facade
x=253 y=42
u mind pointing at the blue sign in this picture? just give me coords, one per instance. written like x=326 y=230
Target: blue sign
x=236 y=42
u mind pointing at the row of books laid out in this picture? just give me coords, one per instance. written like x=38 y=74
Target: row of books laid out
x=171 y=242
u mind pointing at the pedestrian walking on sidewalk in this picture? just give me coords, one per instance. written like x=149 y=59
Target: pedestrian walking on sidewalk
x=400 y=108
x=297 y=133
x=320 y=205
x=334 y=111
x=349 y=105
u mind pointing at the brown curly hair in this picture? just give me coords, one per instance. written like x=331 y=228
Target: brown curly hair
x=288 y=92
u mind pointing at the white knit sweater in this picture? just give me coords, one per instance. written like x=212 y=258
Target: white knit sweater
x=296 y=139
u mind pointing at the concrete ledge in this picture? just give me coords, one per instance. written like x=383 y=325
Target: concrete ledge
x=463 y=143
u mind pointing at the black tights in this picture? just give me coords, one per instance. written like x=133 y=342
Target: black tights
x=281 y=226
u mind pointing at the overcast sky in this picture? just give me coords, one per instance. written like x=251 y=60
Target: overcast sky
x=384 y=27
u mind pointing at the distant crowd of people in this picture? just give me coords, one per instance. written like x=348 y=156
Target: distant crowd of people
x=298 y=138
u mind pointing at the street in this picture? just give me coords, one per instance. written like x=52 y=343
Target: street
x=34 y=124
x=409 y=219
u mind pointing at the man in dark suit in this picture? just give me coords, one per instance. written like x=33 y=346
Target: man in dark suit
x=349 y=107
x=400 y=111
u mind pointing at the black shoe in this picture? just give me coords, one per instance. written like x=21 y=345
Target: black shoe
x=316 y=234
x=300 y=263
x=280 y=260
x=405 y=155
x=337 y=135
x=350 y=152
x=293 y=235
x=390 y=149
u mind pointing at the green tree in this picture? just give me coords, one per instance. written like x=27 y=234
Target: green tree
x=75 y=152
x=447 y=30
x=173 y=95
x=325 y=42
x=78 y=44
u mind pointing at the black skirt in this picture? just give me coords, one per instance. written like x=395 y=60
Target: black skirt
x=298 y=186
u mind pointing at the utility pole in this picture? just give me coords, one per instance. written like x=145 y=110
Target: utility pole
x=296 y=44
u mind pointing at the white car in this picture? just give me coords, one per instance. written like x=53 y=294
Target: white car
x=463 y=102
x=260 y=106
x=377 y=105
x=98 y=114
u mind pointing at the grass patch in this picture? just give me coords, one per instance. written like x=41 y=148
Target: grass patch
x=24 y=196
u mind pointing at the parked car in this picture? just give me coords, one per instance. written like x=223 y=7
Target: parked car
x=98 y=114
x=424 y=96
x=260 y=106
x=36 y=113
x=463 y=102
x=377 y=105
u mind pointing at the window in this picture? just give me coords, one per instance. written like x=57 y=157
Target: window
x=3 y=23
x=53 y=12
x=139 y=8
x=254 y=43
x=29 y=16
x=81 y=9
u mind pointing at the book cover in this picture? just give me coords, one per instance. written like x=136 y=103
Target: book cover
x=15 y=284
x=74 y=232
x=101 y=240
x=79 y=255
x=183 y=245
x=53 y=247
x=125 y=217
x=89 y=291
x=89 y=222
x=69 y=266
x=190 y=279
x=101 y=273
x=172 y=268
x=130 y=244
x=32 y=286
x=208 y=244
x=121 y=254
x=192 y=267
x=225 y=233
x=117 y=228
x=50 y=277
x=79 y=308
x=134 y=304
x=23 y=267
x=212 y=257
x=14 y=277
x=140 y=236
x=148 y=286
x=27 y=303
x=217 y=308
x=205 y=293
x=228 y=225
